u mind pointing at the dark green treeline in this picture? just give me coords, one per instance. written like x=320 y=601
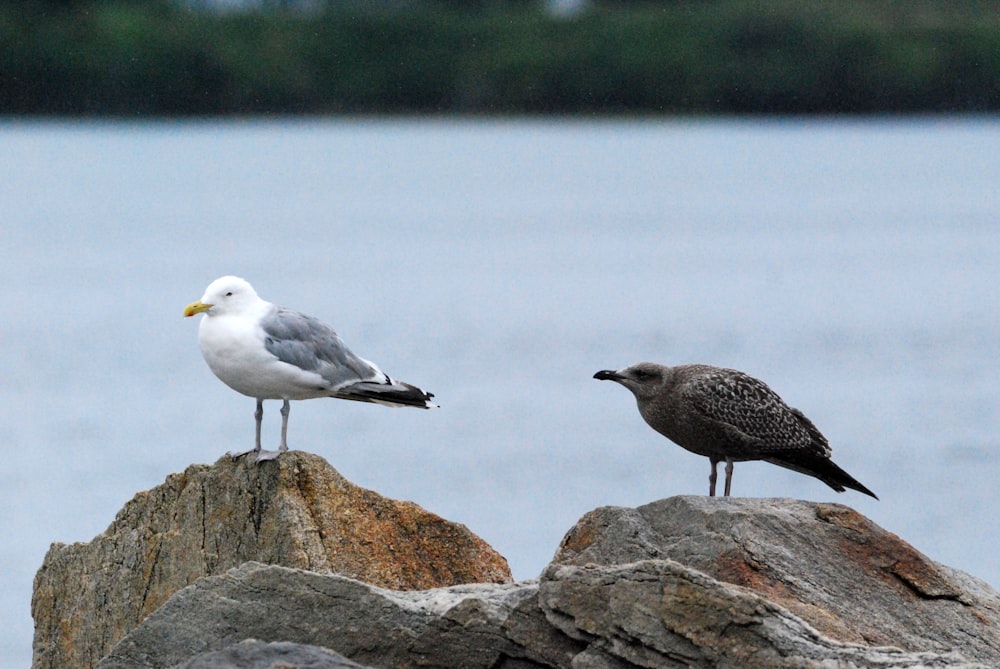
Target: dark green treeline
x=157 y=58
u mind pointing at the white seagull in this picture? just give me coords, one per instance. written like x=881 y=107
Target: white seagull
x=271 y=353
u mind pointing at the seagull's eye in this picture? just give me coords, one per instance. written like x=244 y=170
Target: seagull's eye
x=229 y=294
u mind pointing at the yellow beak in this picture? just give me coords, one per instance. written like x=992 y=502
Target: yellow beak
x=196 y=308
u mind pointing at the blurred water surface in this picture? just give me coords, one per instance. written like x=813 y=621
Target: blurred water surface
x=852 y=265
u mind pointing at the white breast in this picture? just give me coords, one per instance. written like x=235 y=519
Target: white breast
x=234 y=349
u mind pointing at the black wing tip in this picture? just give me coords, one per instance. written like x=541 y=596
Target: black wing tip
x=854 y=485
x=824 y=469
x=407 y=396
x=423 y=396
x=842 y=480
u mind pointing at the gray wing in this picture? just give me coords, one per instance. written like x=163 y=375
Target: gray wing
x=311 y=344
x=740 y=403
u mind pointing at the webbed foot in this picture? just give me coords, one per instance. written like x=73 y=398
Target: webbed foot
x=269 y=455
x=259 y=455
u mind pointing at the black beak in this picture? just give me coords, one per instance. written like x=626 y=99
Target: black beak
x=608 y=375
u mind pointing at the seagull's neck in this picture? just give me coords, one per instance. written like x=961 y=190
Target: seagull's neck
x=240 y=322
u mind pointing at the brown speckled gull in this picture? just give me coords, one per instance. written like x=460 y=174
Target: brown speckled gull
x=729 y=416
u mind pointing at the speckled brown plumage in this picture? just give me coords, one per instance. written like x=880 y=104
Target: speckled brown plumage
x=729 y=416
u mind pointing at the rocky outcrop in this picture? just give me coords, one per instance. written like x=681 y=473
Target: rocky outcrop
x=683 y=582
x=654 y=613
x=839 y=572
x=296 y=511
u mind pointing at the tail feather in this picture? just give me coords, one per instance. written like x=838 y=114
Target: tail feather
x=394 y=394
x=825 y=469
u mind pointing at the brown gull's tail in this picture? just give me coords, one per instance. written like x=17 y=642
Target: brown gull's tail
x=823 y=468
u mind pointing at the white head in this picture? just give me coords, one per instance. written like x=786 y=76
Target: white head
x=229 y=294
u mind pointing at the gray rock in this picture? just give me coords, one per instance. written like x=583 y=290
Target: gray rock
x=253 y=654
x=445 y=627
x=659 y=613
x=827 y=564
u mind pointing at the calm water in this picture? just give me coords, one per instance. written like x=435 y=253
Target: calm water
x=854 y=266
